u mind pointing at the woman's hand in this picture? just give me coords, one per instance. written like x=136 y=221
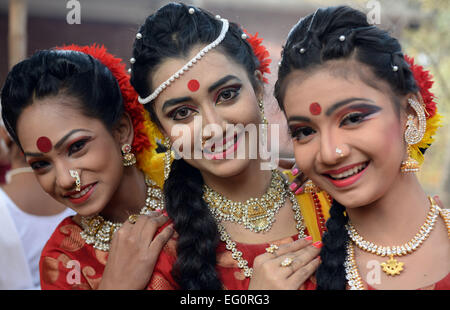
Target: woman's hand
x=300 y=179
x=134 y=252
x=269 y=274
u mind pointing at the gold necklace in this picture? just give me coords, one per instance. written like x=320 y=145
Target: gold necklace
x=393 y=267
x=231 y=245
x=255 y=214
x=99 y=231
x=353 y=277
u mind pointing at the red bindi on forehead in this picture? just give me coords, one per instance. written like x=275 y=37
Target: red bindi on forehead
x=44 y=144
x=315 y=108
x=193 y=85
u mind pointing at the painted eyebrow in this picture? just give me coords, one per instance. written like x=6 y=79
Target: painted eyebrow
x=58 y=144
x=341 y=103
x=171 y=102
x=299 y=119
x=175 y=101
x=222 y=81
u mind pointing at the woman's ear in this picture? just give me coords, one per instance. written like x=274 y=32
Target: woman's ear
x=417 y=97
x=124 y=131
x=259 y=91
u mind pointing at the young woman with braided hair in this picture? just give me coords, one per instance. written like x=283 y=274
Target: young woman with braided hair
x=361 y=117
x=225 y=238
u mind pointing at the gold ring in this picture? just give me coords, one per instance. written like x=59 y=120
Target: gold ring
x=133 y=218
x=286 y=262
x=272 y=248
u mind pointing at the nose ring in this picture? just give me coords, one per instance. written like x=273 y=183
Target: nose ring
x=339 y=152
x=74 y=174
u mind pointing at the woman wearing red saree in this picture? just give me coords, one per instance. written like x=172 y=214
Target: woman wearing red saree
x=239 y=226
x=75 y=116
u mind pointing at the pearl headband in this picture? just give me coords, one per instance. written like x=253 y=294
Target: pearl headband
x=187 y=66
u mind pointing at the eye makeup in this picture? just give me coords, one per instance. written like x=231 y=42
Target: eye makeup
x=233 y=90
x=356 y=113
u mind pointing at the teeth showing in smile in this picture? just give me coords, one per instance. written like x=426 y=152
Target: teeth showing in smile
x=225 y=147
x=82 y=193
x=349 y=172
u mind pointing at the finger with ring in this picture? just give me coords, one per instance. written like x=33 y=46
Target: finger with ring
x=286 y=262
x=272 y=248
x=133 y=218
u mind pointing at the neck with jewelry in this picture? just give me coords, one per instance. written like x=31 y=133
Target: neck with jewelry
x=396 y=215
x=129 y=197
x=250 y=182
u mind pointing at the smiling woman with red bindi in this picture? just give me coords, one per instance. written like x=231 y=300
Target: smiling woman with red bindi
x=73 y=125
x=228 y=67
x=376 y=119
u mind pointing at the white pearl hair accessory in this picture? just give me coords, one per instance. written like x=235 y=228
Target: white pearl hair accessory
x=187 y=66
x=191 y=11
x=302 y=50
x=244 y=36
x=342 y=38
x=395 y=68
x=138 y=35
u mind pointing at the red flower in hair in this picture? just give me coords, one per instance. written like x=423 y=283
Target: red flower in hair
x=260 y=52
x=423 y=79
x=129 y=95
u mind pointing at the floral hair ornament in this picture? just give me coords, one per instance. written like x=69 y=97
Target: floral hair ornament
x=424 y=82
x=145 y=131
x=260 y=52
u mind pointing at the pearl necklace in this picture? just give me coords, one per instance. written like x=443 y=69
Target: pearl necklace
x=393 y=267
x=231 y=245
x=353 y=277
x=99 y=232
x=256 y=214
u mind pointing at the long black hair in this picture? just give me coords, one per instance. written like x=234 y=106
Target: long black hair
x=66 y=73
x=172 y=32
x=315 y=40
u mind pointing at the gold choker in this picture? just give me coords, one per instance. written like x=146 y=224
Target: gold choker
x=99 y=232
x=256 y=214
x=231 y=245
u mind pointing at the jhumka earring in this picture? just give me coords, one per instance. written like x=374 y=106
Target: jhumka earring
x=167 y=157
x=74 y=174
x=128 y=158
x=413 y=135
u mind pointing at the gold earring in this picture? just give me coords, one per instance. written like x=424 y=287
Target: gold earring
x=74 y=174
x=128 y=158
x=264 y=119
x=310 y=187
x=167 y=158
x=413 y=135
